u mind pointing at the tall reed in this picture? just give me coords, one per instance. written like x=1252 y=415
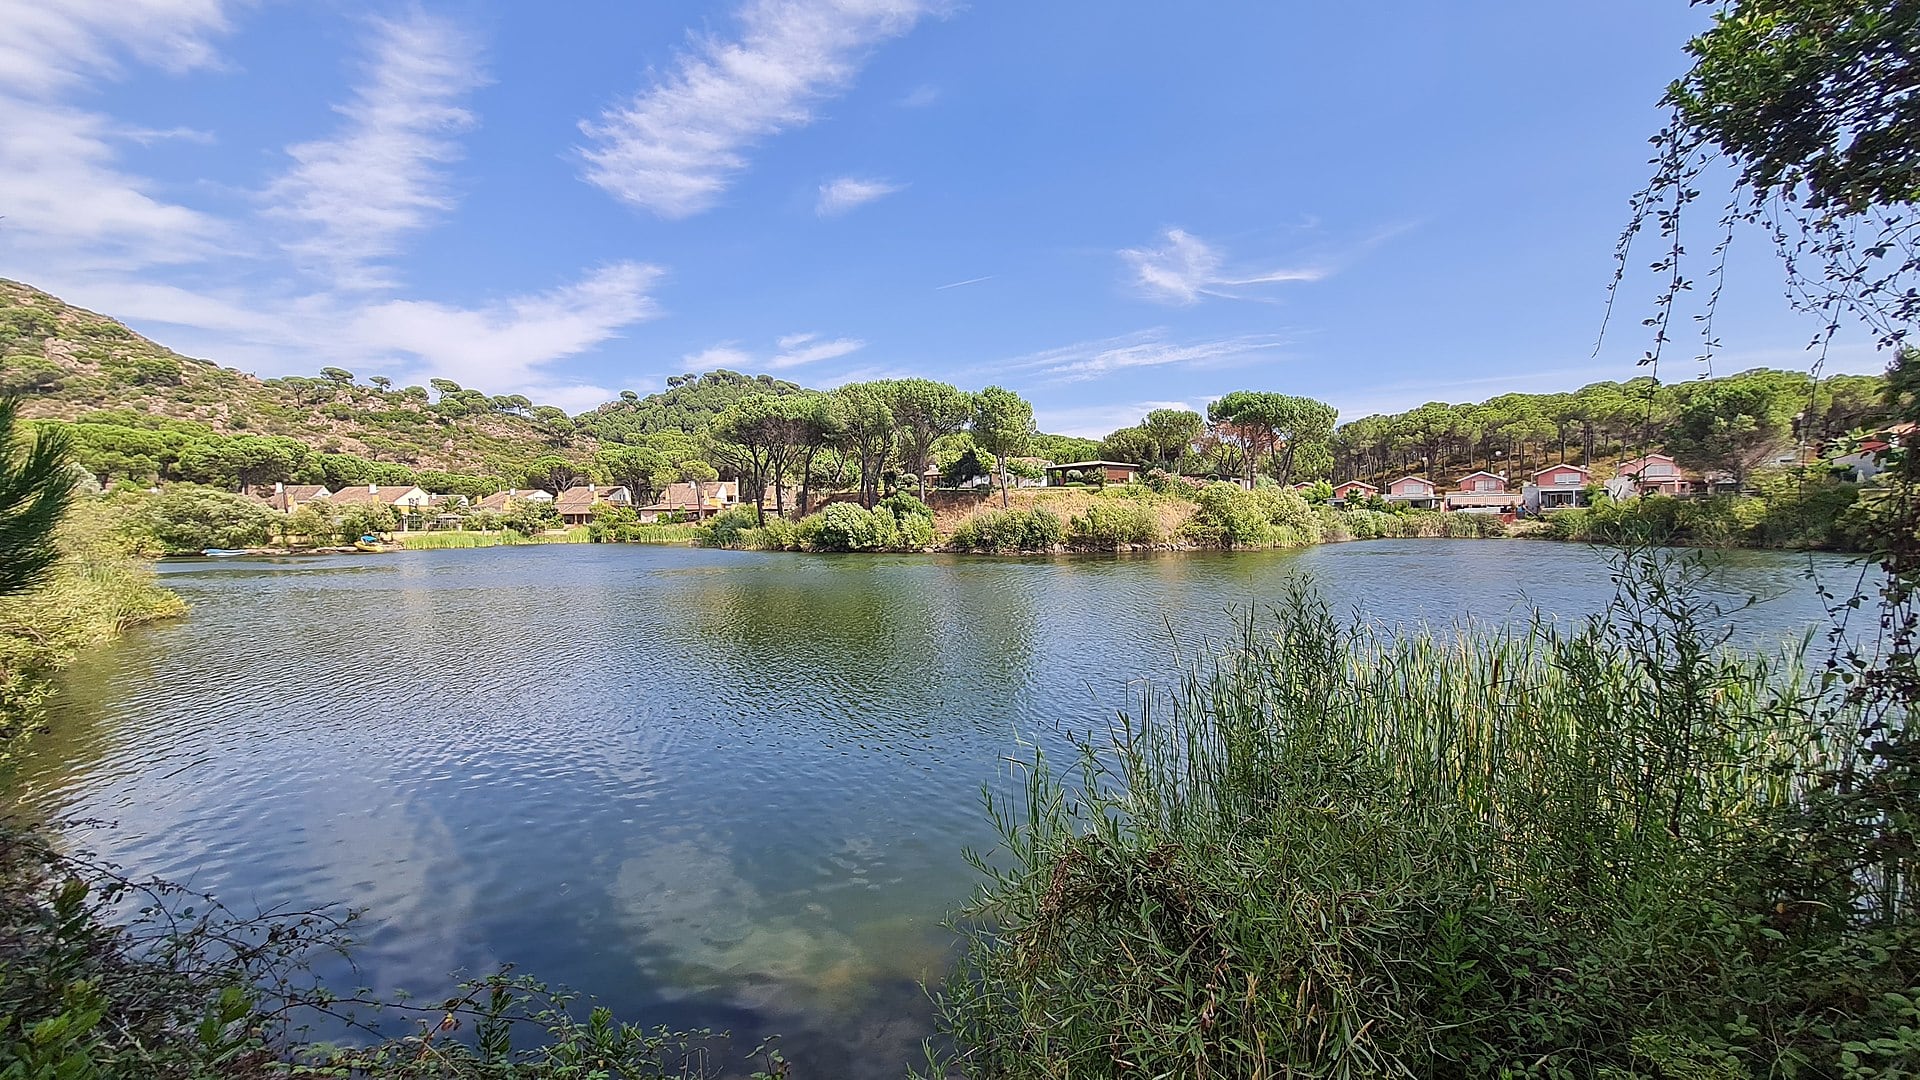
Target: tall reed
x=1338 y=851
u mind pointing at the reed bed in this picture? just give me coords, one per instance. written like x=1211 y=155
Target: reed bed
x=1337 y=851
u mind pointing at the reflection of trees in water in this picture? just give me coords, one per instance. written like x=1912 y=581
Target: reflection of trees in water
x=876 y=643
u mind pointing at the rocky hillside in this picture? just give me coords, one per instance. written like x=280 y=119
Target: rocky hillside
x=73 y=364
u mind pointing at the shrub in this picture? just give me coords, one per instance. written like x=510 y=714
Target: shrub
x=1009 y=531
x=1230 y=516
x=1597 y=850
x=903 y=505
x=1109 y=525
x=848 y=527
x=724 y=528
x=187 y=519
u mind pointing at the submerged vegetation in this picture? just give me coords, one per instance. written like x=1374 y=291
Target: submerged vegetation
x=1611 y=849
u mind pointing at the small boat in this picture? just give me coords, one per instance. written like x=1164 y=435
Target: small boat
x=369 y=543
x=222 y=553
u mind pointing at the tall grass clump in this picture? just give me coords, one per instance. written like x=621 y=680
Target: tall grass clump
x=1008 y=531
x=452 y=539
x=1608 y=849
x=1113 y=524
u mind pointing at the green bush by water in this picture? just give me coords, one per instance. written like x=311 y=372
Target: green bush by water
x=1010 y=531
x=1605 y=850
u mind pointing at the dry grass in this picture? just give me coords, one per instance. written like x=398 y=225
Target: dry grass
x=1067 y=502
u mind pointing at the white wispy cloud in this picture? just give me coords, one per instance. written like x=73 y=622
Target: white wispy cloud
x=847 y=192
x=66 y=200
x=358 y=192
x=920 y=96
x=508 y=346
x=78 y=224
x=676 y=145
x=1185 y=268
x=1146 y=348
x=1099 y=421
x=957 y=284
x=50 y=48
x=791 y=351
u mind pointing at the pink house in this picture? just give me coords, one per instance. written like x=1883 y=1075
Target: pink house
x=1483 y=491
x=1656 y=474
x=1354 y=490
x=1415 y=491
x=1557 y=486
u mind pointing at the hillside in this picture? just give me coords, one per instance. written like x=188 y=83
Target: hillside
x=73 y=364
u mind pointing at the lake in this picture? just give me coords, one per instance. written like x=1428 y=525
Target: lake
x=709 y=788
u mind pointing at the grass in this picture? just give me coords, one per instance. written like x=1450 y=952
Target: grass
x=455 y=538
x=1601 y=850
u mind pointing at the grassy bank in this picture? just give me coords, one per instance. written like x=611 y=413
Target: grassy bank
x=101 y=586
x=1609 y=850
x=455 y=538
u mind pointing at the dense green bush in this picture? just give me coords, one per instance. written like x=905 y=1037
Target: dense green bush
x=849 y=527
x=1112 y=524
x=1228 y=515
x=186 y=519
x=725 y=528
x=1604 y=850
x=1793 y=511
x=1008 y=531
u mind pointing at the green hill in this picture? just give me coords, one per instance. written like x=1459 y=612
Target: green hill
x=76 y=365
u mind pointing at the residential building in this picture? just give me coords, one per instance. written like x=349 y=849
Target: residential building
x=1113 y=472
x=576 y=503
x=409 y=502
x=687 y=500
x=1354 y=491
x=1483 y=491
x=1557 y=487
x=287 y=498
x=1656 y=474
x=1414 y=491
x=499 y=500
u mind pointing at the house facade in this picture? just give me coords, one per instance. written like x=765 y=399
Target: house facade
x=695 y=503
x=576 y=503
x=1112 y=472
x=1417 y=492
x=1353 y=490
x=500 y=500
x=287 y=498
x=1557 y=487
x=411 y=503
x=1483 y=491
x=1656 y=474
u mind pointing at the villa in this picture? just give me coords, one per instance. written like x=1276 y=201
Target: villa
x=1483 y=491
x=1414 y=491
x=406 y=500
x=576 y=503
x=1656 y=474
x=287 y=498
x=1556 y=487
x=698 y=503
x=1354 y=490
x=499 y=500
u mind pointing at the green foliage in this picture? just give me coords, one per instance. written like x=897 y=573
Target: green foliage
x=364 y=519
x=1342 y=851
x=847 y=527
x=688 y=405
x=187 y=519
x=36 y=487
x=1797 y=511
x=1010 y=531
x=1114 y=524
x=1231 y=516
x=529 y=518
x=98 y=585
x=725 y=529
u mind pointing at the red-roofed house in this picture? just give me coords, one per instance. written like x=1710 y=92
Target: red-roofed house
x=1558 y=486
x=1353 y=490
x=576 y=503
x=287 y=498
x=1415 y=491
x=1656 y=474
x=1482 y=491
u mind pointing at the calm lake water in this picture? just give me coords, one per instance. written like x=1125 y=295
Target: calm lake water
x=705 y=787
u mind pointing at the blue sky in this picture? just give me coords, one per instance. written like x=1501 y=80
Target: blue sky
x=1106 y=206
